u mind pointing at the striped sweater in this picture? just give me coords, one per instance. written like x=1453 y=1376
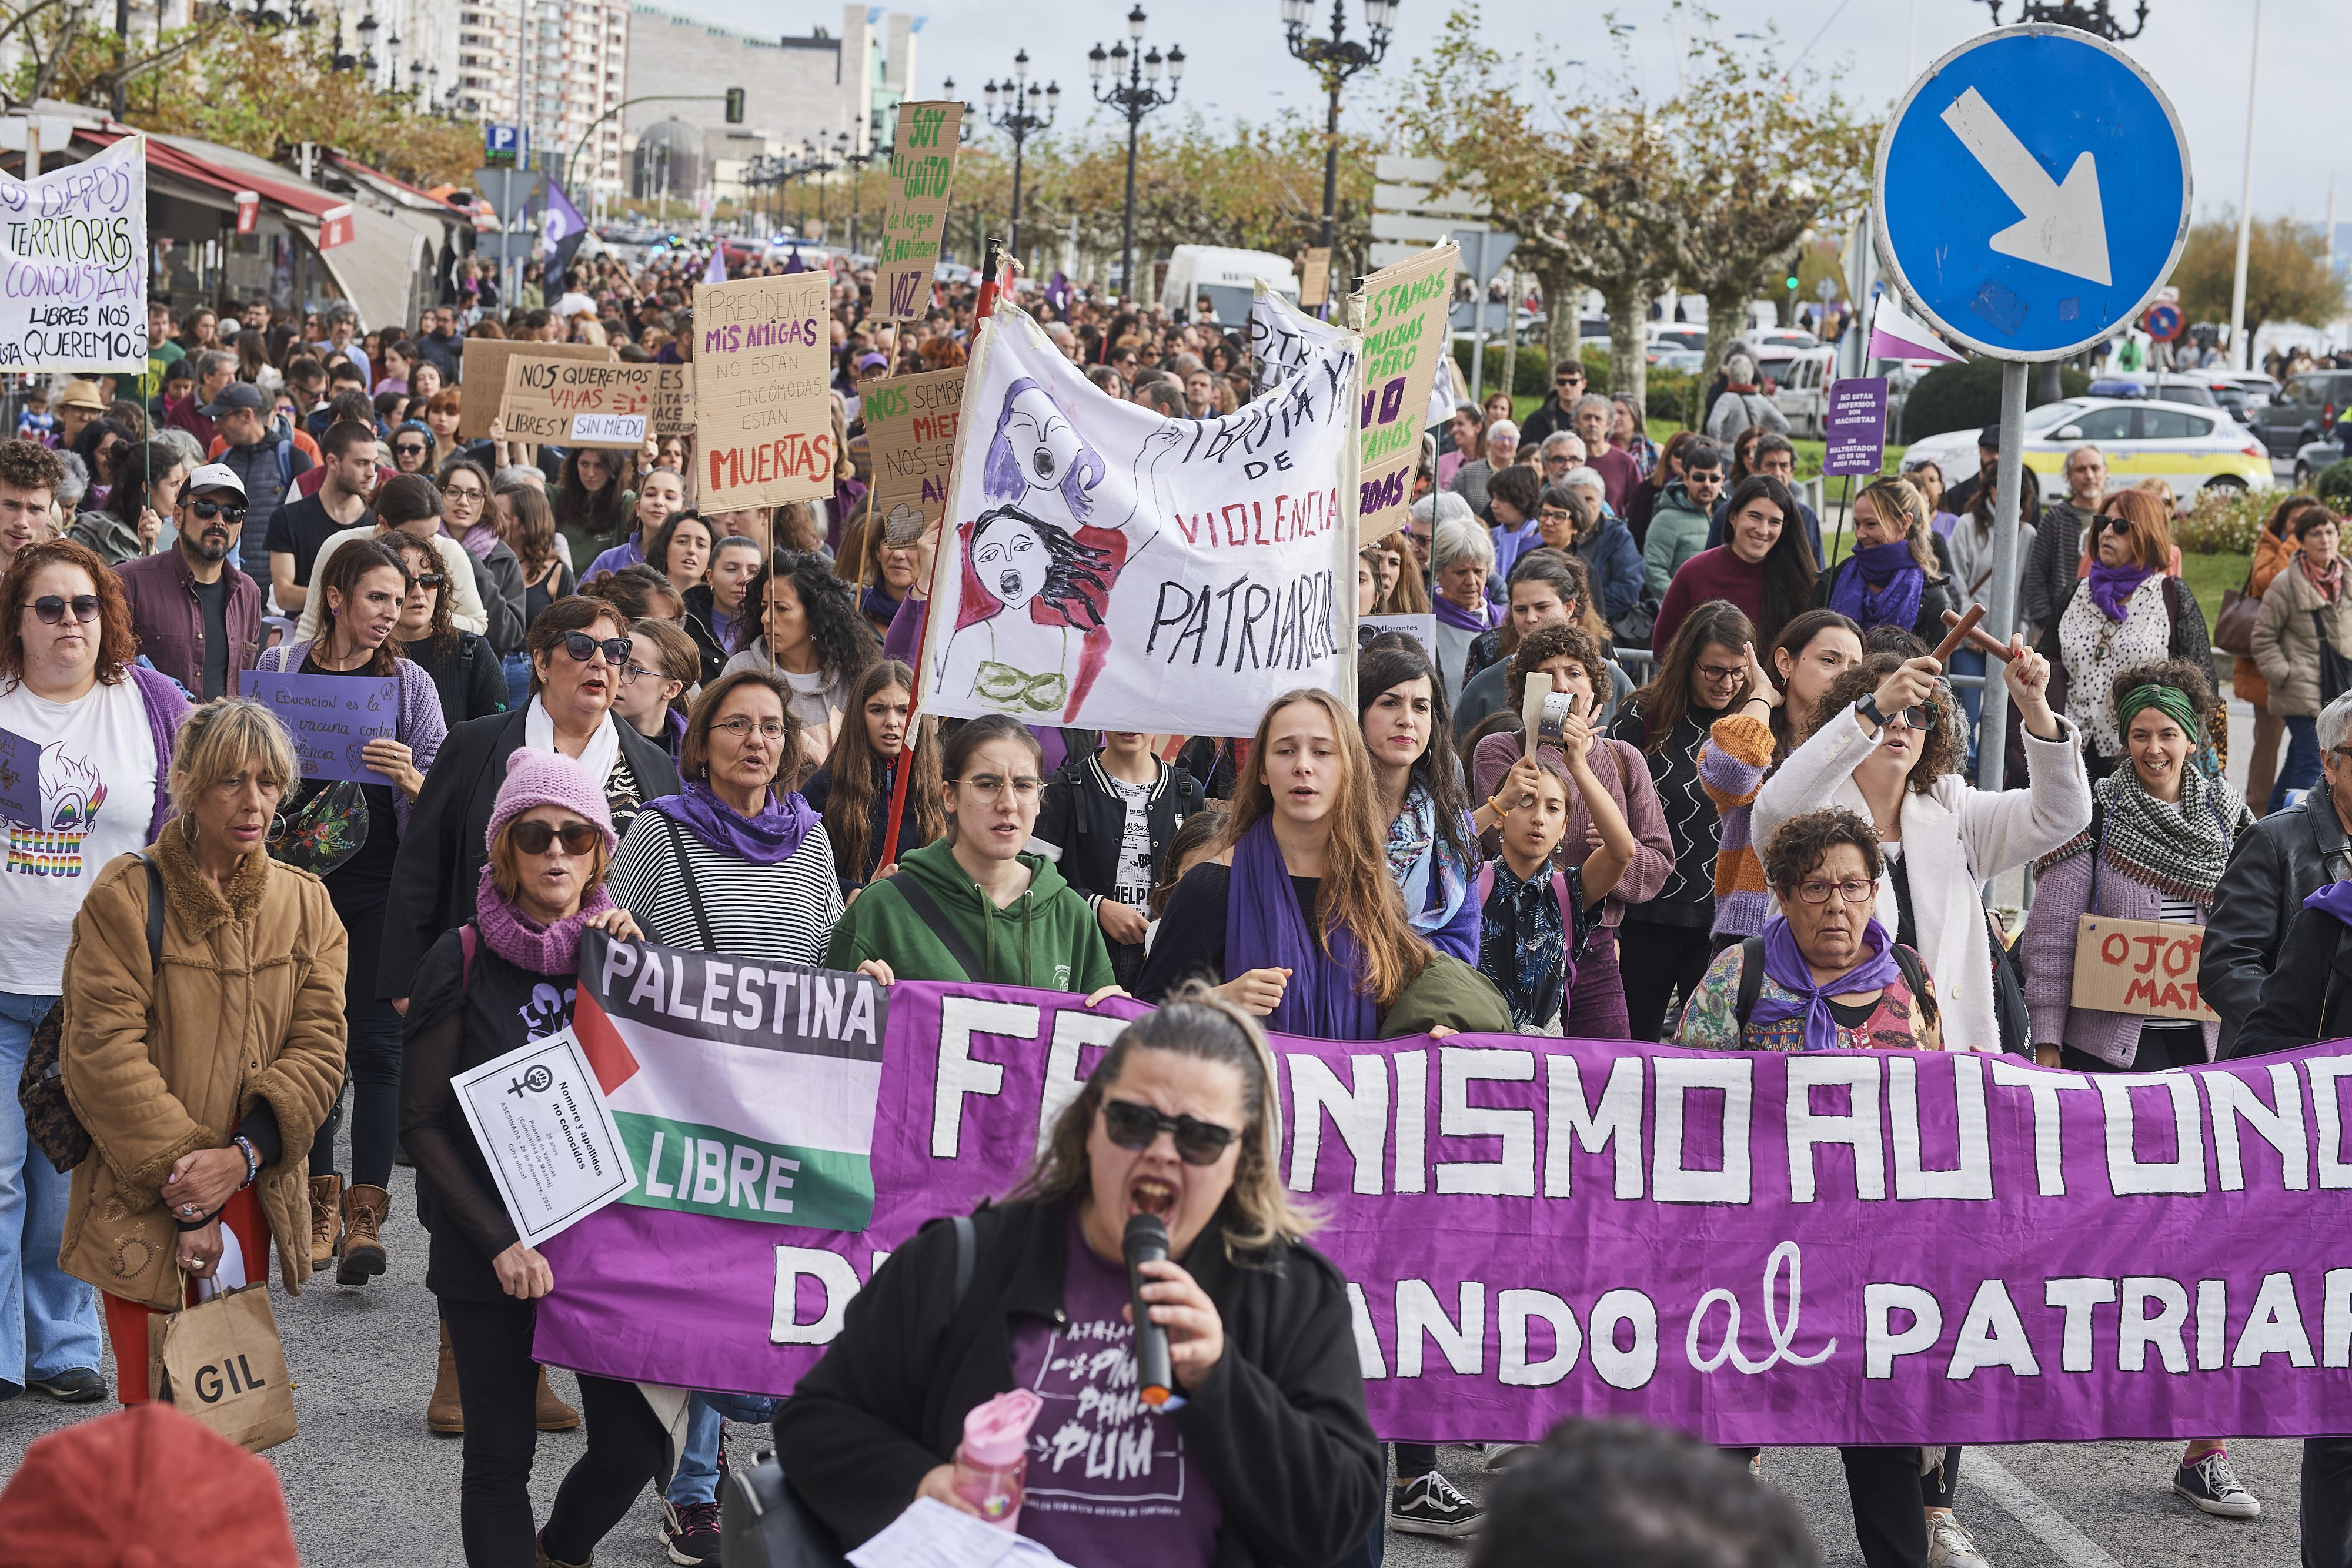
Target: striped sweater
x=1732 y=767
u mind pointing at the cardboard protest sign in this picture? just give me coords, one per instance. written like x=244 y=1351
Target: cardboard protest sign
x=2146 y=968
x=1113 y=569
x=910 y=431
x=547 y=1134
x=1402 y=314
x=922 y=169
x=1847 y=1246
x=73 y=247
x=1421 y=629
x=762 y=408
x=20 y=778
x=583 y=402
x=483 y=376
x=330 y=717
x=673 y=410
x=1314 y=278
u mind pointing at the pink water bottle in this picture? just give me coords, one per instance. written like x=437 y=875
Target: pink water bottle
x=993 y=1457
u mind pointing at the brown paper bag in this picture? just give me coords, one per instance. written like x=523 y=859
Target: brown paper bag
x=224 y=1366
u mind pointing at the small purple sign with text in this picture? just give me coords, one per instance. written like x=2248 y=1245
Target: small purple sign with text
x=1854 y=422
x=330 y=717
x=1834 y=1246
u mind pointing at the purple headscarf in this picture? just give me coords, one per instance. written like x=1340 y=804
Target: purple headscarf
x=1785 y=966
x=1265 y=930
x=768 y=839
x=1452 y=614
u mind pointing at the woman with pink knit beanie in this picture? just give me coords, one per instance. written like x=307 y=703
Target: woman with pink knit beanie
x=505 y=978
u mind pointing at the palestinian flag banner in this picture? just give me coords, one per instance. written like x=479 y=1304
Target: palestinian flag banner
x=743 y=1091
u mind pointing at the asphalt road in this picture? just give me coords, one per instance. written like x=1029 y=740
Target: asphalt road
x=367 y=1485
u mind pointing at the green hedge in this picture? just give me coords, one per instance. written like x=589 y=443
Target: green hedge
x=1671 y=392
x=1967 y=396
x=2334 y=484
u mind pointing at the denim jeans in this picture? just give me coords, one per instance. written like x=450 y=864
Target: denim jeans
x=1970 y=662
x=517 y=669
x=695 y=1479
x=48 y=1318
x=2301 y=768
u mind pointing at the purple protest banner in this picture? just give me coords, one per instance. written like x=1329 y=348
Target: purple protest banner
x=1854 y=423
x=1839 y=1247
x=330 y=717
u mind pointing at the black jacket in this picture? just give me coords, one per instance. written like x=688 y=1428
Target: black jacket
x=1278 y=1429
x=2308 y=997
x=699 y=623
x=1082 y=826
x=2279 y=861
x=444 y=850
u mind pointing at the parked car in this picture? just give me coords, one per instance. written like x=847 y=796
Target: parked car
x=2187 y=445
x=2313 y=457
x=1804 y=391
x=1686 y=361
x=2304 y=410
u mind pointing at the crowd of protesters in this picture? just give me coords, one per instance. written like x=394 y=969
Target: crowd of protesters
x=617 y=709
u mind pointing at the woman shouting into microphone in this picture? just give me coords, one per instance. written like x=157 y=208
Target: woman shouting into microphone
x=1269 y=1458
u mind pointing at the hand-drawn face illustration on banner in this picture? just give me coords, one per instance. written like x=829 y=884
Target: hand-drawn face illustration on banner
x=1113 y=569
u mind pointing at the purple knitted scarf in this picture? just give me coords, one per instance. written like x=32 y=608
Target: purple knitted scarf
x=524 y=942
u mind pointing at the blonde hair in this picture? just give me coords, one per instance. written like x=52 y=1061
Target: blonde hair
x=1900 y=498
x=1193 y=1020
x=216 y=742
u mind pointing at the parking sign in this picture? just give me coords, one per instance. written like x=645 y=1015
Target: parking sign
x=501 y=142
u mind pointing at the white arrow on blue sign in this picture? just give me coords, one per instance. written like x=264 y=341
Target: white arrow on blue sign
x=2033 y=192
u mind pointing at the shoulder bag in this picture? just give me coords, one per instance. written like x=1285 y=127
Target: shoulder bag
x=49 y=1119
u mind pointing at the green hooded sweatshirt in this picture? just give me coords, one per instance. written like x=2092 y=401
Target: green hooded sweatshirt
x=1047 y=937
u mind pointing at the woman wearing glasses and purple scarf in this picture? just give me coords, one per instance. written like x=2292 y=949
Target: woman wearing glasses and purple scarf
x=1831 y=979
x=1892 y=578
x=734 y=864
x=578 y=647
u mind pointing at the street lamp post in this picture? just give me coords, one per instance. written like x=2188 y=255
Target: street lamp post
x=858 y=163
x=1335 y=60
x=1017 y=116
x=1135 y=96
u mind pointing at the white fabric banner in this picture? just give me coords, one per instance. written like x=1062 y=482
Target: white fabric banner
x=1112 y=569
x=73 y=265
x=1282 y=339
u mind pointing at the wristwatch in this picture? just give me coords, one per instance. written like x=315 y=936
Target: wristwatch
x=1868 y=711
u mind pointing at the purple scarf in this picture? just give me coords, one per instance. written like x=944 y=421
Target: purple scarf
x=2336 y=898
x=1264 y=930
x=2113 y=586
x=771 y=838
x=524 y=942
x=1452 y=614
x=1884 y=588
x=1785 y=966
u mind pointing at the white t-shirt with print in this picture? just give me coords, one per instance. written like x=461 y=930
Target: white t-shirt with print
x=98 y=793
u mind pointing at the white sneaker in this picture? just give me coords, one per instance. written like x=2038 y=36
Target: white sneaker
x=1950 y=1546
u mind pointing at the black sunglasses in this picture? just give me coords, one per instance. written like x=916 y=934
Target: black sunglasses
x=52 y=609
x=403 y=449
x=532 y=838
x=1133 y=1127
x=428 y=579
x=2112 y=523
x=208 y=509
x=584 y=647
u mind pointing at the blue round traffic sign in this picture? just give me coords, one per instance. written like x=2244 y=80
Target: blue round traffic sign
x=2162 y=322
x=2033 y=192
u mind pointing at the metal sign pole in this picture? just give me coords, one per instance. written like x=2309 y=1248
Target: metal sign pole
x=1477 y=324
x=2000 y=616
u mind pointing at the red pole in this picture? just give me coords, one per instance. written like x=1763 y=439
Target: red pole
x=990 y=266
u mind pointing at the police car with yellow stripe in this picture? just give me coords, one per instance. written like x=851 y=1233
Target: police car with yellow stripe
x=2190 y=447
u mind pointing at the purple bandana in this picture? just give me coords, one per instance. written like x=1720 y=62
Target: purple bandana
x=771 y=838
x=2336 y=898
x=1264 y=930
x=2113 y=586
x=1786 y=968
x=1885 y=587
x=1452 y=614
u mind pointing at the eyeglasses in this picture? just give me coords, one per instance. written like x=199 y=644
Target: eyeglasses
x=209 y=509
x=1134 y=1127
x=741 y=726
x=584 y=647
x=629 y=674
x=1720 y=675
x=533 y=838
x=469 y=493
x=52 y=609
x=989 y=786
x=1855 y=889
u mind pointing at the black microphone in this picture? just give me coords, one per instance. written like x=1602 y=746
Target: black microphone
x=1146 y=1241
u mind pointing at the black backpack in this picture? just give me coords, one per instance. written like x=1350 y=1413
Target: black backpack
x=1752 y=978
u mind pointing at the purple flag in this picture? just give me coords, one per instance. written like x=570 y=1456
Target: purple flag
x=1834 y=1246
x=716 y=271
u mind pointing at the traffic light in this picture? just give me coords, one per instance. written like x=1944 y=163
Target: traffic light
x=735 y=106
x=1792 y=283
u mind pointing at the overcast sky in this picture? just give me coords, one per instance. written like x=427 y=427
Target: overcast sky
x=2198 y=50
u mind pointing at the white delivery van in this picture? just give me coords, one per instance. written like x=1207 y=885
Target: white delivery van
x=1225 y=277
